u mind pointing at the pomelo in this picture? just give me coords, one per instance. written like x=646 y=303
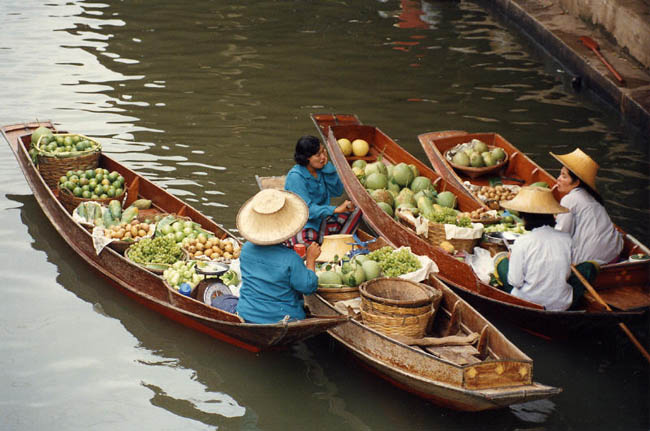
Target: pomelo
x=360 y=147
x=346 y=146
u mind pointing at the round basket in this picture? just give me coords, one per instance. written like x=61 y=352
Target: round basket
x=477 y=172
x=70 y=201
x=437 y=234
x=335 y=294
x=54 y=165
x=156 y=268
x=396 y=306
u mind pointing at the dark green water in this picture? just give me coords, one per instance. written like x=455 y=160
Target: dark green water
x=201 y=96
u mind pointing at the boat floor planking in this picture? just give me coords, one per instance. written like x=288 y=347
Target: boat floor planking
x=144 y=286
x=456 y=274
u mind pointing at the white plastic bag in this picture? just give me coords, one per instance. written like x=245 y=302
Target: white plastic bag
x=482 y=263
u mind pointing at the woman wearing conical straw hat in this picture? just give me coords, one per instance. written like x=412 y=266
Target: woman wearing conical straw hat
x=539 y=265
x=274 y=277
x=594 y=235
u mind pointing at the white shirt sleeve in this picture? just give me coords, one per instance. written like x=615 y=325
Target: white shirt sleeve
x=564 y=222
x=516 y=266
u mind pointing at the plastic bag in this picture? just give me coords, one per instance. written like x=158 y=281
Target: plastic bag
x=482 y=263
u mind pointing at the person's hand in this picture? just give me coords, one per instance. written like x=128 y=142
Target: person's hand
x=313 y=251
x=346 y=206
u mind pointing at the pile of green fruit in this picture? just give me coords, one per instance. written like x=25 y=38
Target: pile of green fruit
x=475 y=154
x=349 y=272
x=401 y=186
x=182 y=272
x=155 y=251
x=93 y=183
x=179 y=229
x=45 y=142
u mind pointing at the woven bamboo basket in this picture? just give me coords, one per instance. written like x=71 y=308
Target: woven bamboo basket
x=70 y=201
x=54 y=165
x=396 y=306
x=477 y=172
x=409 y=326
x=436 y=233
x=335 y=294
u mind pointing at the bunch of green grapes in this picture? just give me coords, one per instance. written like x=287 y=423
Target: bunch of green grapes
x=156 y=250
x=395 y=263
x=446 y=215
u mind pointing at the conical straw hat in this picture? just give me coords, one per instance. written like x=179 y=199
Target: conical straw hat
x=537 y=200
x=580 y=164
x=272 y=216
x=335 y=245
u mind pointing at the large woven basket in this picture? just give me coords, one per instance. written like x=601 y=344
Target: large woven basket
x=52 y=166
x=436 y=233
x=396 y=306
x=70 y=201
x=334 y=294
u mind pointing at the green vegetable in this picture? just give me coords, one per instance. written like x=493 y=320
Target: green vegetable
x=394 y=263
x=116 y=209
x=230 y=278
x=129 y=214
x=142 y=204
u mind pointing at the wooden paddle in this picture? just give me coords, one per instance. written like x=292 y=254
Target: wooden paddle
x=593 y=45
x=625 y=329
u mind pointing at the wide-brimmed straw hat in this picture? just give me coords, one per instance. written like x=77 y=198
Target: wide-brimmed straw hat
x=580 y=164
x=536 y=200
x=335 y=245
x=272 y=216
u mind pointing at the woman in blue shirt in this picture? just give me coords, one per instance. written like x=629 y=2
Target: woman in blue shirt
x=315 y=180
x=274 y=277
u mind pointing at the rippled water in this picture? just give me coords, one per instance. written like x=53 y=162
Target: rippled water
x=201 y=96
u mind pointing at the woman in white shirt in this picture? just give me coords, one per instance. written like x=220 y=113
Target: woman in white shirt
x=595 y=238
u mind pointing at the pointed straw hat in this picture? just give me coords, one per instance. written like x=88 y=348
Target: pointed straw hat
x=536 y=200
x=580 y=164
x=272 y=216
x=335 y=245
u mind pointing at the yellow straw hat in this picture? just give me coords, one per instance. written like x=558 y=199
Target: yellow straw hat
x=536 y=200
x=335 y=245
x=272 y=216
x=581 y=165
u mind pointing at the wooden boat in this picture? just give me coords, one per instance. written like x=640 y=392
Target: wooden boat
x=624 y=285
x=145 y=286
x=459 y=275
x=488 y=373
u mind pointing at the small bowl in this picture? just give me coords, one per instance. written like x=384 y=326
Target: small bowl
x=210 y=267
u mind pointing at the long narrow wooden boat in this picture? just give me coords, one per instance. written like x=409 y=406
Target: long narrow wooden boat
x=145 y=286
x=455 y=273
x=624 y=285
x=488 y=373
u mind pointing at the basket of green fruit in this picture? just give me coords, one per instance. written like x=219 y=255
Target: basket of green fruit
x=155 y=254
x=59 y=153
x=475 y=158
x=100 y=185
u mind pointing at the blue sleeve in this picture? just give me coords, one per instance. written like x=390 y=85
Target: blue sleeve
x=302 y=279
x=332 y=180
x=296 y=184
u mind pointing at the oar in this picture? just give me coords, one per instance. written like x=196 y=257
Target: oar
x=593 y=45
x=625 y=329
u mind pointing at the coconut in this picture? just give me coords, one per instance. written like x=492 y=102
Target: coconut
x=329 y=277
x=447 y=199
x=359 y=163
x=498 y=154
x=460 y=159
x=376 y=167
x=387 y=208
x=376 y=181
x=382 y=195
x=371 y=269
x=420 y=183
x=402 y=174
x=405 y=197
x=476 y=160
x=479 y=146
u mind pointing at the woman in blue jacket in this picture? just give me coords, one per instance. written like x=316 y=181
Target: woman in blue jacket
x=315 y=180
x=274 y=277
